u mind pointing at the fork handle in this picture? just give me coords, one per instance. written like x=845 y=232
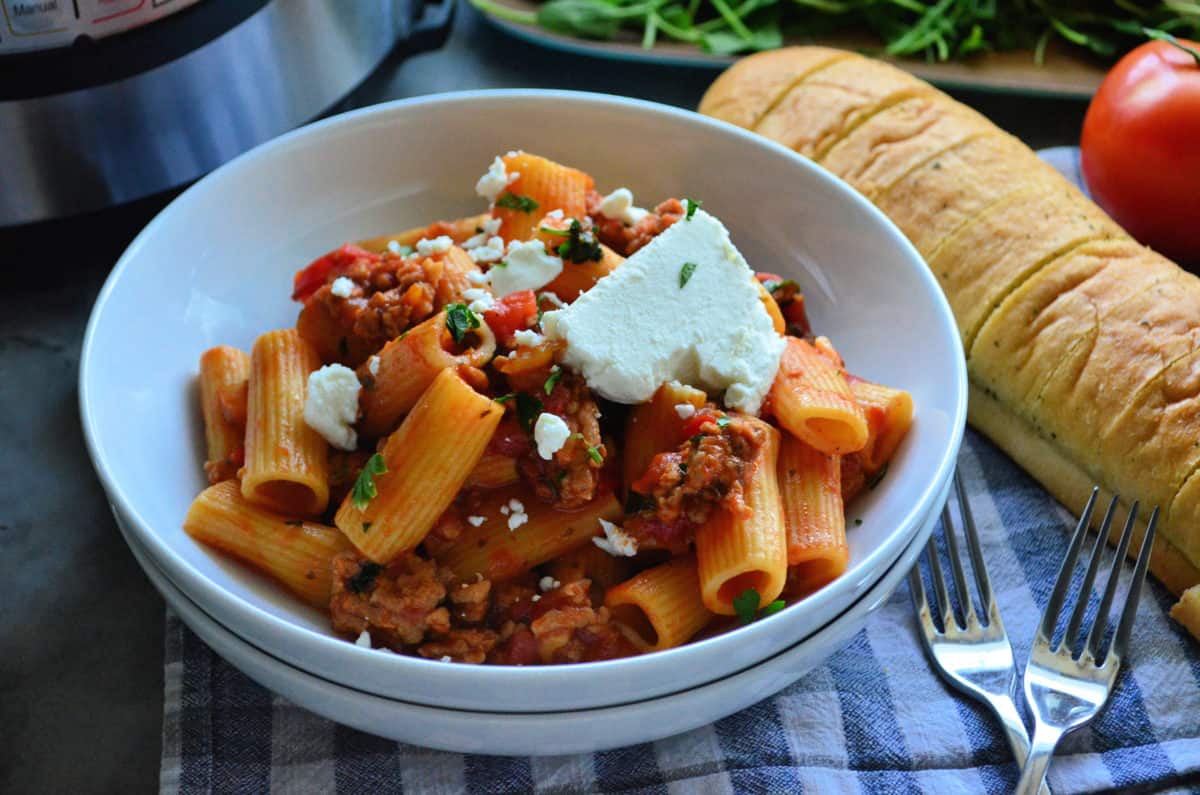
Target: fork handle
x=1014 y=729
x=1033 y=774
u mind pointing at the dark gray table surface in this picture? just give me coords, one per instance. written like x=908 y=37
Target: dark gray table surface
x=80 y=626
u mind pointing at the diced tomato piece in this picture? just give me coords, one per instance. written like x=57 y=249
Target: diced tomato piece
x=765 y=277
x=512 y=313
x=697 y=421
x=310 y=279
x=656 y=470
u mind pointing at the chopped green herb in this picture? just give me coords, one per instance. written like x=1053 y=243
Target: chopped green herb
x=723 y=422
x=295 y=523
x=512 y=201
x=343 y=348
x=637 y=502
x=685 y=273
x=780 y=284
x=459 y=320
x=539 y=314
x=552 y=231
x=858 y=522
x=594 y=454
x=501 y=264
x=560 y=476
x=365 y=578
x=692 y=206
x=405 y=251
x=528 y=409
x=773 y=608
x=504 y=398
x=683 y=469
x=364 y=485
x=552 y=381
x=696 y=439
x=366 y=526
x=580 y=246
x=745 y=605
x=878 y=476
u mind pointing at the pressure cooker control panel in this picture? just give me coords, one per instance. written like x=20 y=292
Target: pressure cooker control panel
x=28 y=25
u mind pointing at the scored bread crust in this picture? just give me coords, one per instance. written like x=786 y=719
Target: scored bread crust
x=1083 y=347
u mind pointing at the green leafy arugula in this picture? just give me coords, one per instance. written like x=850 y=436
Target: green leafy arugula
x=512 y=201
x=459 y=320
x=746 y=603
x=364 y=485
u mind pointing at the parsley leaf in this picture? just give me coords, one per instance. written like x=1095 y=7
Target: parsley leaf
x=775 y=285
x=637 y=502
x=745 y=605
x=366 y=526
x=580 y=246
x=692 y=206
x=552 y=381
x=878 y=476
x=773 y=608
x=528 y=409
x=512 y=201
x=504 y=398
x=295 y=523
x=685 y=273
x=364 y=485
x=594 y=454
x=459 y=320
x=365 y=578
x=723 y=422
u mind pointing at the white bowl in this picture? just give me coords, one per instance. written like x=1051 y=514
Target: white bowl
x=215 y=267
x=545 y=733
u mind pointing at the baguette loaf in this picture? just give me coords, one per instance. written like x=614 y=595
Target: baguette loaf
x=1082 y=346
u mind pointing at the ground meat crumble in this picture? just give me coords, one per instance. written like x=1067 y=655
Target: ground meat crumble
x=625 y=240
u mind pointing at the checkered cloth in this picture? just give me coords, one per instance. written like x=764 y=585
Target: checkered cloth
x=873 y=718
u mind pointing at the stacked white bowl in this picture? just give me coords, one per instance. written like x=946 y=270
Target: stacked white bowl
x=215 y=267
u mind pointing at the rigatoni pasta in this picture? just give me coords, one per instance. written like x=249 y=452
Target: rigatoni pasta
x=431 y=455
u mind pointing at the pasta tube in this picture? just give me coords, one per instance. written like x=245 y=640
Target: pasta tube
x=427 y=461
x=579 y=277
x=493 y=471
x=286 y=461
x=810 y=485
x=889 y=414
x=298 y=554
x=656 y=426
x=503 y=547
x=661 y=605
x=541 y=186
x=735 y=552
x=589 y=562
x=813 y=402
x=405 y=367
x=224 y=377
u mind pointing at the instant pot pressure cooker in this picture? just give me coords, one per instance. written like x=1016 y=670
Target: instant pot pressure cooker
x=106 y=101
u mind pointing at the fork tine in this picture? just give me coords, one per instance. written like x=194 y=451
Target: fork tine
x=1135 y=587
x=916 y=587
x=1089 y=577
x=939 y=579
x=1050 y=616
x=974 y=547
x=1096 y=635
x=956 y=567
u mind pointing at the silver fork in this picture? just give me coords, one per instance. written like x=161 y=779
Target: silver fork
x=975 y=656
x=1066 y=684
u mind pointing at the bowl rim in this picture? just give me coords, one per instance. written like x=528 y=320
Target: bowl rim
x=203 y=589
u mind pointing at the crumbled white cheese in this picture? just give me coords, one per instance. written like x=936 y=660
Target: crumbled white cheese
x=364 y=640
x=548 y=583
x=478 y=277
x=527 y=337
x=551 y=298
x=331 y=405
x=616 y=541
x=551 y=433
x=373 y=365
x=342 y=287
x=487 y=230
x=439 y=245
x=394 y=247
x=475 y=521
x=490 y=252
x=527 y=267
x=493 y=182
x=517 y=519
x=535 y=598
x=504 y=509
x=516 y=505
x=637 y=328
x=685 y=410
x=619 y=204
x=445 y=658
x=557 y=215
x=480 y=299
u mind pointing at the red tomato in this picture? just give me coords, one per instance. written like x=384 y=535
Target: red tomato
x=698 y=420
x=1141 y=156
x=512 y=313
x=309 y=280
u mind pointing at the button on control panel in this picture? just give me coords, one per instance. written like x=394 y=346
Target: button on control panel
x=30 y=25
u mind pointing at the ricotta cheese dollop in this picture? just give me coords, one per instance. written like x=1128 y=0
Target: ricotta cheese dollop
x=331 y=405
x=685 y=307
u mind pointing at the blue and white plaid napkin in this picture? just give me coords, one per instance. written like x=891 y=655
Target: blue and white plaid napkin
x=874 y=718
